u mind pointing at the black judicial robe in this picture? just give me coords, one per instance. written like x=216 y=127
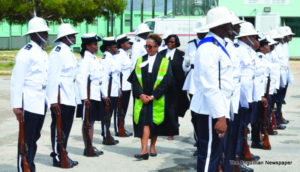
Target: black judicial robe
x=182 y=100
x=170 y=125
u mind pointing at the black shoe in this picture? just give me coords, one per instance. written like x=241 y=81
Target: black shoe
x=74 y=163
x=95 y=152
x=274 y=133
x=281 y=127
x=128 y=133
x=255 y=157
x=285 y=121
x=244 y=168
x=113 y=141
x=153 y=154
x=195 y=153
x=258 y=145
x=142 y=157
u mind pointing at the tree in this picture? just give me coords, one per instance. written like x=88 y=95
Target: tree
x=77 y=11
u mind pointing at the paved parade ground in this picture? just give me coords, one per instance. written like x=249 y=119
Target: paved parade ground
x=176 y=155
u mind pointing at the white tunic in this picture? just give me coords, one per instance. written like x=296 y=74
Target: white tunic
x=189 y=84
x=284 y=64
x=62 y=72
x=247 y=56
x=236 y=69
x=260 y=77
x=138 y=50
x=29 y=79
x=209 y=99
x=126 y=68
x=112 y=67
x=89 y=66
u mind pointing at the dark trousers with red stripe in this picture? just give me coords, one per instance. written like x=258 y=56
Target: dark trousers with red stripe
x=209 y=144
x=33 y=124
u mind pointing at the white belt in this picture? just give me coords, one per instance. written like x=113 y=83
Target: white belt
x=37 y=86
x=249 y=76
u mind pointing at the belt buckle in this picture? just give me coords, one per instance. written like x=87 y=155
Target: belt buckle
x=253 y=77
x=43 y=87
x=74 y=80
x=100 y=83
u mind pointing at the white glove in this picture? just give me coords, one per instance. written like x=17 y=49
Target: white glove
x=187 y=60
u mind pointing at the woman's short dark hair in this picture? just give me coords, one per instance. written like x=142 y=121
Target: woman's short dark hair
x=177 y=42
x=156 y=38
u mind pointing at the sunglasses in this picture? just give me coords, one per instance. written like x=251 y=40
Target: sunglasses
x=149 y=47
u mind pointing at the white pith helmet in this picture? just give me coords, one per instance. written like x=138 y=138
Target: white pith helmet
x=218 y=16
x=65 y=29
x=275 y=35
x=142 y=28
x=247 y=29
x=37 y=24
x=289 y=30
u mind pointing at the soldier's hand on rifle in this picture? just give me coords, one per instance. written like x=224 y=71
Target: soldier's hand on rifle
x=221 y=126
x=86 y=102
x=107 y=100
x=264 y=102
x=55 y=108
x=19 y=114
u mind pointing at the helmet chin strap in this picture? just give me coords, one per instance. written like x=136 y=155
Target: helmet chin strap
x=68 y=39
x=235 y=33
x=42 y=39
x=251 y=42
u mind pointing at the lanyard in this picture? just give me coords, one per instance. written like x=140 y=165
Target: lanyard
x=212 y=40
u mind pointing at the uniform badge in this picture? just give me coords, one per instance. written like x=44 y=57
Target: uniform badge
x=138 y=40
x=236 y=45
x=103 y=57
x=57 y=49
x=28 y=47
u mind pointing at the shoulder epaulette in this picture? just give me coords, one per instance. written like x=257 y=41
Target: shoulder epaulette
x=216 y=42
x=191 y=40
x=57 y=49
x=28 y=47
x=260 y=56
x=103 y=57
x=226 y=43
x=236 y=45
x=138 y=40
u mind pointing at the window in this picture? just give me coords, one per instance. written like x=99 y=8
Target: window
x=294 y=23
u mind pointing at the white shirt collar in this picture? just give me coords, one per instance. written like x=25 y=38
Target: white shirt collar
x=170 y=53
x=219 y=39
x=34 y=44
x=88 y=53
x=65 y=45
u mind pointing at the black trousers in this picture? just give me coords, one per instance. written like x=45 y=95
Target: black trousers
x=230 y=142
x=209 y=144
x=194 y=122
x=33 y=124
x=256 y=125
x=125 y=103
x=67 y=117
x=112 y=111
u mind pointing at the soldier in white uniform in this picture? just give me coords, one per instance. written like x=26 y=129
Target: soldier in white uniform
x=138 y=47
x=28 y=87
x=231 y=136
x=248 y=43
x=61 y=82
x=126 y=69
x=214 y=79
x=111 y=87
x=281 y=57
x=89 y=78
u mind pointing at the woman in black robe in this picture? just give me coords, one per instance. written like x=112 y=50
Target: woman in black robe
x=176 y=59
x=146 y=127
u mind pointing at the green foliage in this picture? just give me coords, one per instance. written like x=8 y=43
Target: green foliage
x=21 y=11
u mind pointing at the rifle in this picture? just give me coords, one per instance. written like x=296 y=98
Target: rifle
x=266 y=144
x=23 y=149
x=60 y=138
x=121 y=125
x=274 y=118
x=108 y=138
x=89 y=147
